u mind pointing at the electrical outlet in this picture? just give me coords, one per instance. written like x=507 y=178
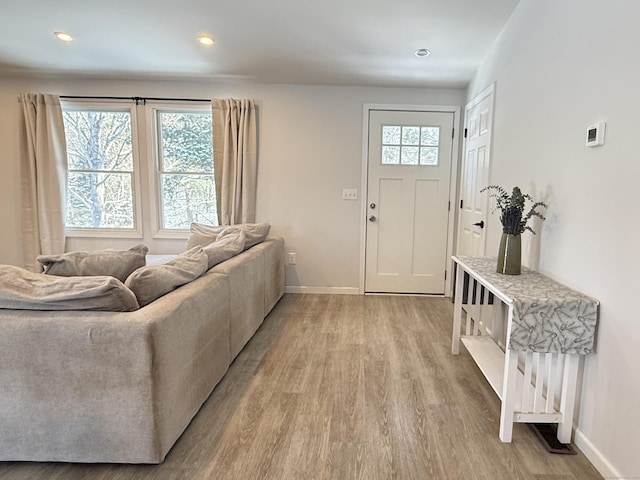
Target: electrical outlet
x=350 y=194
x=291 y=258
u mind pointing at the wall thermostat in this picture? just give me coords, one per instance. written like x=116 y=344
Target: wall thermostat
x=595 y=134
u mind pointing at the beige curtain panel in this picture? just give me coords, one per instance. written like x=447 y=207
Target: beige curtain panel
x=235 y=160
x=43 y=157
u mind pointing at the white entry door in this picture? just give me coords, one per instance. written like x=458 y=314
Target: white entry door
x=475 y=174
x=409 y=173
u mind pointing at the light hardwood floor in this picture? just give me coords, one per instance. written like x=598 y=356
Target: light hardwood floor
x=345 y=387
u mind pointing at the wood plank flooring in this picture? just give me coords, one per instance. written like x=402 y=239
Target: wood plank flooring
x=345 y=387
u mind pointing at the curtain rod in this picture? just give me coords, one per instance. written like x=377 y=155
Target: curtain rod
x=137 y=100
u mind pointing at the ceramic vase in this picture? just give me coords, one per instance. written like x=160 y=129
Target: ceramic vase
x=509 y=254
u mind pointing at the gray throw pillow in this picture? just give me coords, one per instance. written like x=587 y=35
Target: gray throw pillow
x=203 y=235
x=254 y=232
x=153 y=281
x=225 y=248
x=24 y=290
x=114 y=263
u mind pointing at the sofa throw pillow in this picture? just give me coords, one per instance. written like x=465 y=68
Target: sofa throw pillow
x=225 y=248
x=153 y=281
x=254 y=232
x=203 y=235
x=114 y=263
x=24 y=290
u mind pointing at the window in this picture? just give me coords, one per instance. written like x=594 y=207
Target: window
x=116 y=153
x=187 y=186
x=100 y=169
x=410 y=145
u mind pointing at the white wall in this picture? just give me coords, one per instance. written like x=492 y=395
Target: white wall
x=310 y=148
x=560 y=66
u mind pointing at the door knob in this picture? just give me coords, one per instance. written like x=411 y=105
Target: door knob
x=479 y=224
x=372 y=218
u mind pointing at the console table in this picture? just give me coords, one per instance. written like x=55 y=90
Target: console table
x=526 y=333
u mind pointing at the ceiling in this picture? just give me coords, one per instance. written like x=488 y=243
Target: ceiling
x=330 y=42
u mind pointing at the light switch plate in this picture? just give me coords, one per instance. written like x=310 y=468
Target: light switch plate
x=350 y=194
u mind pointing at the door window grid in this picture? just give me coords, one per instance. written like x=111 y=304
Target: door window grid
x=410 y=145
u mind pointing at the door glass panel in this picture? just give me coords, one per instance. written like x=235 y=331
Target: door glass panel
x=429 y=156
x=429 y=136
x=390 y=155
x=390 y=135
x=410 y=135
x=409 y=155
x=410 y=145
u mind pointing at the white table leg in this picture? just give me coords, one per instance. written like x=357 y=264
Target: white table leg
x=568 y=400
x=508 y=395
x=457 y=311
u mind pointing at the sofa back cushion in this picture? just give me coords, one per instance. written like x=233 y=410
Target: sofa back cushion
x=153 y=281
x=24 y=290
x=254 y=232
x=203 y=235
x=114 y=263
x=225 y=248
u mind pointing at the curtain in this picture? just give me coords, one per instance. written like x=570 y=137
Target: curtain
x=43 y=156
x=235 y=160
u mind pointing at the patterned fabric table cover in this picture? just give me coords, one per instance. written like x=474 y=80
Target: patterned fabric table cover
x=547 y=316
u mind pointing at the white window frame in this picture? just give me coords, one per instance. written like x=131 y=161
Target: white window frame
x=137 y=231
x=153 y=160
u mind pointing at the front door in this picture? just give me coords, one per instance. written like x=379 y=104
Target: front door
x=409 y=173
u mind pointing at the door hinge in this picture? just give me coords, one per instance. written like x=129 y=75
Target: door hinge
x=445 y=274
x=453 y=133
x=461 y=202
x=465 y=133
x=449 y=207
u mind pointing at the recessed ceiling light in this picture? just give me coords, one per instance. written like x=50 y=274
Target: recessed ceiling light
x=205 y=39
x=422 y=52
x=64 y=36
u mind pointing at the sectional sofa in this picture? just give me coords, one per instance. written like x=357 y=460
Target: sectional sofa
x=78 y=386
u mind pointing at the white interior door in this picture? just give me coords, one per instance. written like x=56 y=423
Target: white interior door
x=408 y=186
x=475 y=174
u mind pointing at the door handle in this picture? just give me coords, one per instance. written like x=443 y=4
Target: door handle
x=479 y=224
x=372 y=218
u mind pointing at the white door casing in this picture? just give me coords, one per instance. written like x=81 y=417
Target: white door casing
x=474 y=175
x=407 y=201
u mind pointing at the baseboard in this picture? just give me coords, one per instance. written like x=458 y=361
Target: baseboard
x=597 y=459
x=323 y=290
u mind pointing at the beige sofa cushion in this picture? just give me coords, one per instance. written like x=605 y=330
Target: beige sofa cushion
x=24 y=290
x=153 y=281
x=225 y=248
x=203 y=235
x=254 y=232
x=115 y=263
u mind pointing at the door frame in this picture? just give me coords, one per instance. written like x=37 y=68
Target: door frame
x=453 y=193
